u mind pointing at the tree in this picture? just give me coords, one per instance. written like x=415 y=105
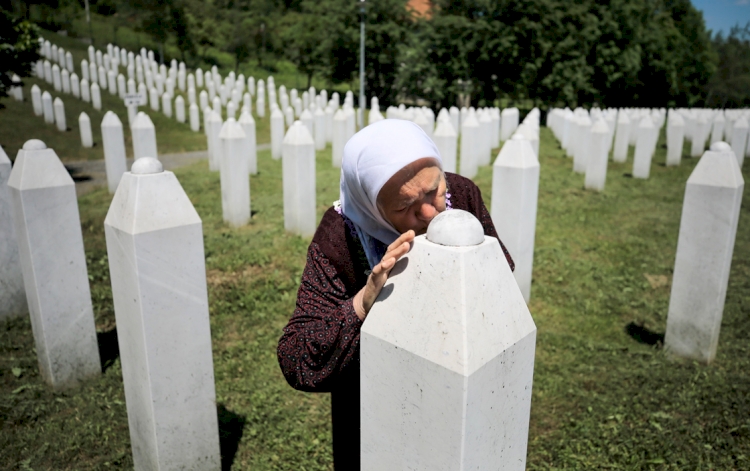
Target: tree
x=19 y=43
x=730 y=85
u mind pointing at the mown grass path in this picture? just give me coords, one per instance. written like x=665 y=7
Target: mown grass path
x=601 y=400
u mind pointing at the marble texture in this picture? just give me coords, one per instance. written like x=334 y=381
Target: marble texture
x=739 y=139
x=60 y=120
x=339 y=137
x=582 y=149
x=12 y=293
x=644 y=148
x=213 y=128
x=195 y=118
x=144 y=136
x=675 y=138
x=235 y=184
x=84 y=125
x=446 y=140
x=298 y=174
x=447 y=364
x=469 y=144
x=598 y=158
x=319 y=118
x=508 y=123
x=515 y=191
x=156 y=261
x=277 y=133
x=53 y=262
x=248 y=126
x=113 y=141
x=622 y=137
x=710 y=213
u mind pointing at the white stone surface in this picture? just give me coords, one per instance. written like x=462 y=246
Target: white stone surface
x=213 y=128
x=235 y=184
x=298 y=174
x=447 y=362
x=277 y=133
x=515 y=191
x=622 y=137
x=195 y=119
x=53 y=262
x=739 y=139
x=644 y=148
x=717 y=128
x=508 y=123
x=156 y=260
x=675 y=138
x=84 y=125
x=47 y=108
x=485 y=139
x=96 y=97
x=339 y=137
x=36 y=100
x=114 y=149
x=710 y=213
x=248 y=126
x=319 y=118
x=582 y=146
x=598 y=158
x=12 y=295
x=469 y=144
x=166 y=104
x=144 y=137
x=179 y=109
x=446 y=140
x=60 y=120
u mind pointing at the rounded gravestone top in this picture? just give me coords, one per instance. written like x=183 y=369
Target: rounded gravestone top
x=146 y=166
x=34 y=144
x=455 y=228
x=517 y=136
x=720 y=146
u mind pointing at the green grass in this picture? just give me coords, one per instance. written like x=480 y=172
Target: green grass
x=600 y=399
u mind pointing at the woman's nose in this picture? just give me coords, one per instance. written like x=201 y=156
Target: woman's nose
x=427 y=211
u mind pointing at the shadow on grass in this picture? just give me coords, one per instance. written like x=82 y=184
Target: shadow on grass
x=231 y=428
x=76 y=175
x=643 y=335
x=109 y=348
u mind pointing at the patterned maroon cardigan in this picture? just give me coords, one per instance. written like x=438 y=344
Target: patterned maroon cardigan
x=319 y=350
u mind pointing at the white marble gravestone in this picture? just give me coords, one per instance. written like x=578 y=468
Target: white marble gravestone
x=508 y=122
x=36 y=100
x=469 y=146
x=114 y=149
x=156 y=262
x=179 y=109
x=644 y=147
x=298 y=174
x=235 y=184
x=60 y=120
x=248 y=126
x=144 y=136
x=12 y=294
x=195 y=119
x=96 y=97
x=446 y=141
x=515 y=190
x=339 y=137
x=319 y=118
x=717 y=128
x=622 y=137
x=598 y=156
x=47 y=108
x=675 y=138
x=277 y=133
x=739 y=139
x=710 y=213
x=447 y=362
x=84 y=125
x=213 y=128
x=582 y=146
x=53 y=262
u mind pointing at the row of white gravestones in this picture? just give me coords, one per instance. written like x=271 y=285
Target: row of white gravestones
x=157 y=267
x=53 y=263
x=710 y=214
x=454 y=356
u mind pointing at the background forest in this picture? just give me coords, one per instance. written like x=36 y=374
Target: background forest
x=542 y=52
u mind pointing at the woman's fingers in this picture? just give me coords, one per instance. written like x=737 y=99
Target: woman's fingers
x=379 y=275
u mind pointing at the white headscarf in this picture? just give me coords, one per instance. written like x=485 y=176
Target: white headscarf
x=371 y=158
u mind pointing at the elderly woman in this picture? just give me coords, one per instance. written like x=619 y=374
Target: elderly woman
x=392 y=185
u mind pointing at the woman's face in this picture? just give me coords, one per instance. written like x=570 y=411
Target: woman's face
x=413 y=196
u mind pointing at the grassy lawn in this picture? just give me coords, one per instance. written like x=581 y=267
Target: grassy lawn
x=601 y=398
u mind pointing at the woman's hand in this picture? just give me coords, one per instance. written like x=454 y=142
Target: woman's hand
x=365 y=298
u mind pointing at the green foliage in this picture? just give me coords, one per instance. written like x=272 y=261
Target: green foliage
x=730 y=86
x=18 y=49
